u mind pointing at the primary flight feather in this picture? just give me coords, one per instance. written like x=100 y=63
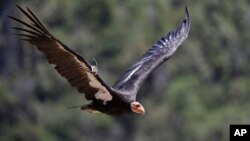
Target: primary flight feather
x=116 y=100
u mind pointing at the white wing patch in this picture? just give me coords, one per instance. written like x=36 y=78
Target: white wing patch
x=102 y=93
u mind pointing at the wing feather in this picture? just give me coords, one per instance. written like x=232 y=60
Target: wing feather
x=131 y=80
x=67 y=63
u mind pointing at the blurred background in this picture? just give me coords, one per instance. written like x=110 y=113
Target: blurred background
x=195 y=96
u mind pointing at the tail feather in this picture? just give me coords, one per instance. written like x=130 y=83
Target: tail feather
x=83 y=107
x=71 y=107
x=86 y=107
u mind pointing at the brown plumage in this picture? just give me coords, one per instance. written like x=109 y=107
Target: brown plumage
x=80 y=74
x=67 y=63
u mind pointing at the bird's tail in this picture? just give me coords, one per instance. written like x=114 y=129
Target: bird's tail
x=86 y=107
x=71 y=107
x=83 y=107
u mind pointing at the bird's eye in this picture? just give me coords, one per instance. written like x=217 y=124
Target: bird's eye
x=137 y=105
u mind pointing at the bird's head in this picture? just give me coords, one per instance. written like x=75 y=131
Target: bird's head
x=136 y=107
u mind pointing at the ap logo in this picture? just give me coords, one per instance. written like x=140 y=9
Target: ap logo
x=239 y=132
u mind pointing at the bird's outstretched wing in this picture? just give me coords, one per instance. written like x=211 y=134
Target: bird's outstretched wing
x=132 y=79
x=68 y=63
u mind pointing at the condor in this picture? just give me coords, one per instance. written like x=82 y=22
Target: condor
x=116 y=100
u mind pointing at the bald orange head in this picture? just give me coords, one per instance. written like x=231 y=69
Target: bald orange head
x=136 y=107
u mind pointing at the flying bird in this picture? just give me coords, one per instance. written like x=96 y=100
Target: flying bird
x=121 y=97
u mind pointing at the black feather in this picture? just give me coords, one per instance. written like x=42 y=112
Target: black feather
x=132 y=79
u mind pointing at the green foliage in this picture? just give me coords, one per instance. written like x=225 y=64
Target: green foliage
x=202 y=89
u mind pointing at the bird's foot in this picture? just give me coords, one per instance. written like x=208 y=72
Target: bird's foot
x=93 y=111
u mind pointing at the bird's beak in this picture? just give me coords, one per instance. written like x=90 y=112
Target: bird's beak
x=136 y=107
x=141 y=110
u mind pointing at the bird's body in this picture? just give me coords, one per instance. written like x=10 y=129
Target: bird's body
x=114 y=107
x=116 y=100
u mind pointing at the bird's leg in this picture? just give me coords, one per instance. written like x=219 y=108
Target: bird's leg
x=94 y=68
